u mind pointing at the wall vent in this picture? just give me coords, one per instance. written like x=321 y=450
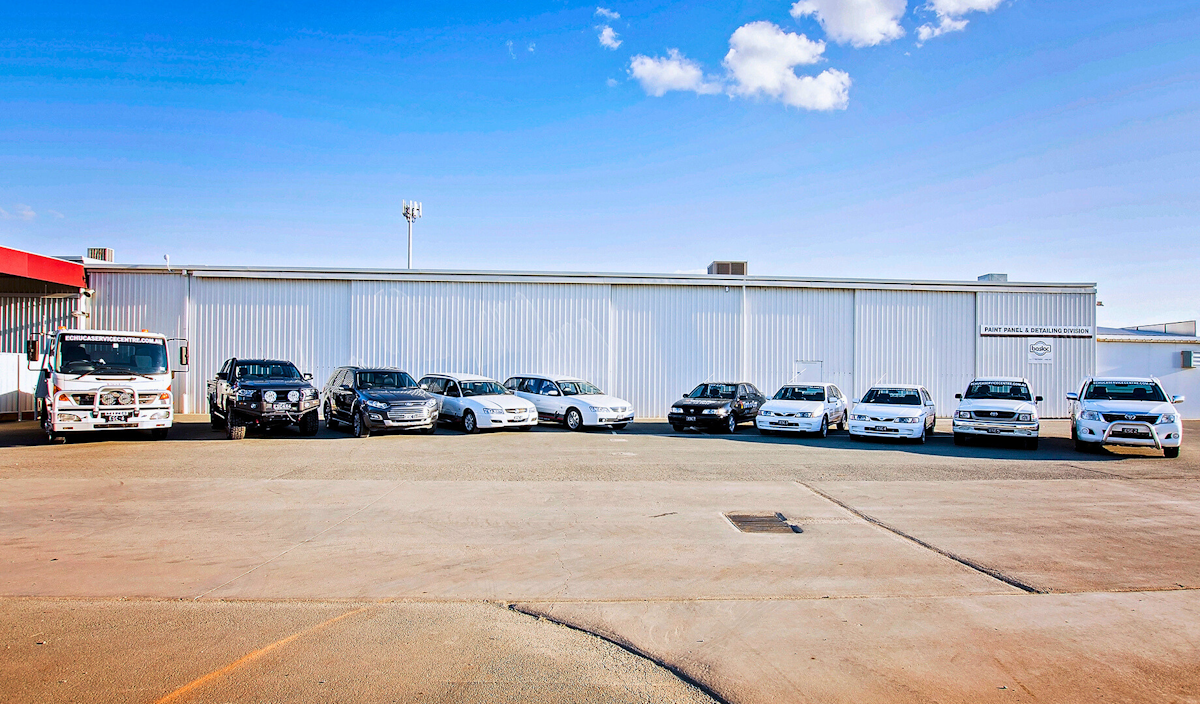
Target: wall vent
x=104 y=254
x=727 y=268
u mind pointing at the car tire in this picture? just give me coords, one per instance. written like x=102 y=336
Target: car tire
x=470 y=425
x=824 y=431
x=920 y=439
x=330 y=421
x=841 y=424
x=1081 y=446
x=159 y=433
x=360 y=429
x=730 y=426
x=309 y=424
x=1171 y=452
x=960 y=439
x=677 y=428
x=619 y=426
x=234 y=429
x=573 y=420
x=765 y=431
x=1031 y=444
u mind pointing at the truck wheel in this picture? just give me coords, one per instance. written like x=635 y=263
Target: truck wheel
x=159 y=433
x=309 y=424
x=469 y=424
x=1081 y=446
x=574 y=419
x=960 y=439
x=360 y=429
x=234 y=430
x=1031 y=444
x=1170 y=452
x=216 y=421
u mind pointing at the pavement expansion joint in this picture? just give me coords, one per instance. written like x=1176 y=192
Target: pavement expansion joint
x=983 y=569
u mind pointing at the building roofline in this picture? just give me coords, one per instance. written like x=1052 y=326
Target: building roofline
x=38 y=267
x=474 y=276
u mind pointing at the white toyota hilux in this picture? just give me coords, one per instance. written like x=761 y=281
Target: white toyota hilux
x=1134 y=412
x=999 y=407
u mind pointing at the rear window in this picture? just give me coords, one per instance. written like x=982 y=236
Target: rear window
x=1124 y=391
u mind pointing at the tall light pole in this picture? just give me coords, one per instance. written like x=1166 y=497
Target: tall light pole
x=412 y=211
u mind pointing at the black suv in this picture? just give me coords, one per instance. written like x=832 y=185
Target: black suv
x=368 y=399
x=717 y=406
x=263 y=393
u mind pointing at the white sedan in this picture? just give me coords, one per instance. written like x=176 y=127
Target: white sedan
x=478 y=402
x=899 y=411
x=803 y=408
x=573 y=402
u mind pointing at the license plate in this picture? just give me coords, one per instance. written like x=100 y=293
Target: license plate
x=1132 y=431
x=994 y=431
x=115 y=416
x=880 y=429
x=689 y=417
x=518 y=418
x=784 y=423
x=283 y=406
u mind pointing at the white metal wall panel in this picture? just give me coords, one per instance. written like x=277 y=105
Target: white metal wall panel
x=667 y=339
x=789 y=325
x=1074 y=358
x=496 y=330
x=915 y=337
x=153 y=302
x=18 y=384
x=21 y=315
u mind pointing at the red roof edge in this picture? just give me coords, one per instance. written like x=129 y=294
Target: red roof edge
x=35 y=266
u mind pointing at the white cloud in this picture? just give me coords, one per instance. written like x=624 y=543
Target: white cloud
x=761 y=60
x=531 y=47
x=509 y=44
x=928 y=31
x=608 y=38
x=856 y=22
x=950 y=16
x=675 y=72
x=23 y=212
x=612 y=83
x=55 y=214
x=607 y=13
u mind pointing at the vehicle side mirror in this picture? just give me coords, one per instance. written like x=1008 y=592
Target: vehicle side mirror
x=1038 y=399
x=308 y=377
x=958 y=396
x=183 y=356
x=1072 y=396
x=424 y=387
x=222 y=376
x=32 y=353
x=552 y=392
x=1178 y=399
x=344 y=387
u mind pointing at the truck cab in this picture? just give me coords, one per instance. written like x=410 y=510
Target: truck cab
x=95 y=380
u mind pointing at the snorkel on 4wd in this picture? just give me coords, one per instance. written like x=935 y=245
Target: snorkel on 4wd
x=94 y=380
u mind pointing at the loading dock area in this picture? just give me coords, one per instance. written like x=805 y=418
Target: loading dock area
x=554 y=566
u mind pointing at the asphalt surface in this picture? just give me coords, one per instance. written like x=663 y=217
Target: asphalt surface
x=596 y=566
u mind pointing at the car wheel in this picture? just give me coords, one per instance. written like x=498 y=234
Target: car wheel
x=619 y=426
x=764 y=431
x=159 y=433
x=330 y=421
x=1031 y=444
x=234 y=429
x=1081 y=446
x=1074 y=432
x=841 y=424
x=309 y=424
x=677 y=428
x=824 y=431
x=960 y=438
x=731 y=424
x=469 y=424
x=1171 y=452
x=573 y=420
x=360 y=427
x=920 y=439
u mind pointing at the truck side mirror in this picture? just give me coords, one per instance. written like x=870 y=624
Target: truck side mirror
x=958 y=396
x=308 y=377
x=1178 y=399
x=222 y=376
x=1072 y=396
x=1038 y=399
x=183 y=356
x=32 y=353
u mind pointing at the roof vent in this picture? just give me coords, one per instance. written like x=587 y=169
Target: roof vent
x=103 y=254
x=727 y=268
x=994 y=277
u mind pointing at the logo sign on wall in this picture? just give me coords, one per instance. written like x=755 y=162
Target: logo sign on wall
x=1041 y=352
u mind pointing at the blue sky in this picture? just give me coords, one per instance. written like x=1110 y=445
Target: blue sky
x=1048 y=140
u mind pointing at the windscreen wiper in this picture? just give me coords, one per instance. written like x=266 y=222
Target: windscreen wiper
x=111 y=369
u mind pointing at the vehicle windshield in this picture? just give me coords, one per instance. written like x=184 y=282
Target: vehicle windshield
x=714 y=391
x=1124 y=391
x=81 y=354
x=266 y=370
x=384 y=380
x=998 y=390
x=575 y=388
x=894 y=397
x=483 y=388
x=800 y=393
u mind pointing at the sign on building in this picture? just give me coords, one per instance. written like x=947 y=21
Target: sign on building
x=1041 y=352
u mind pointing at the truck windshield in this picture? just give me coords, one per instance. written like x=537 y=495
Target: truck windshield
x=82 y=354
x=1124 y=391
x=385 y=380
x=267 y=370
x=801 y=393
x=998 y=390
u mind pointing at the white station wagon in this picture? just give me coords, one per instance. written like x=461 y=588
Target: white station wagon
x=895 y=411
x=573 y=402
x=1124 y=411
x=803 y=408
x=478 y=403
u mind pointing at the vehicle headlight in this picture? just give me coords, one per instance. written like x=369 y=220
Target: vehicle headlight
x=309 y=393
x=766 y=413
x=677 y=409
x=1091 y=415
x=601 y=409
x=716 y=411
x=858 y=416
x=68 y=418
x=431 y=403
x=962 y=415
x=494 y=411
x=270 y=396
x=1025 y=416
x=1168 y=418
x=907 y=419
x=247 y=394
x=374 y=404
x=293 y=396
x=804 y=414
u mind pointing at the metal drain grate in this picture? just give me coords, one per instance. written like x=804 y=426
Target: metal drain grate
x=762 y=523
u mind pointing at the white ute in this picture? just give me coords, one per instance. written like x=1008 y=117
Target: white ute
x=896 y=411
x=997 y=407
x=1125 y=411
x=95 y=380
x=803 y=408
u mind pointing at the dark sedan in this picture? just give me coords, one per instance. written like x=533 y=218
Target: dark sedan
x=368 y=400
x=717 y=406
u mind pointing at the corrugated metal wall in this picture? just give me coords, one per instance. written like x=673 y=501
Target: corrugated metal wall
x=915 y=337
x=648 y=343
x=1074 y=358
x=21 y=315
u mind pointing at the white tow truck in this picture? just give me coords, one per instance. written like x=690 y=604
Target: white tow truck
x=93 y=380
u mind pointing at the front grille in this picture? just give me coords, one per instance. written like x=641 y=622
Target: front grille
x=147 y=398
x=83 y=399
x=1114 y=417
x=398 y=414
x=514 y=410
x=994 y=415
